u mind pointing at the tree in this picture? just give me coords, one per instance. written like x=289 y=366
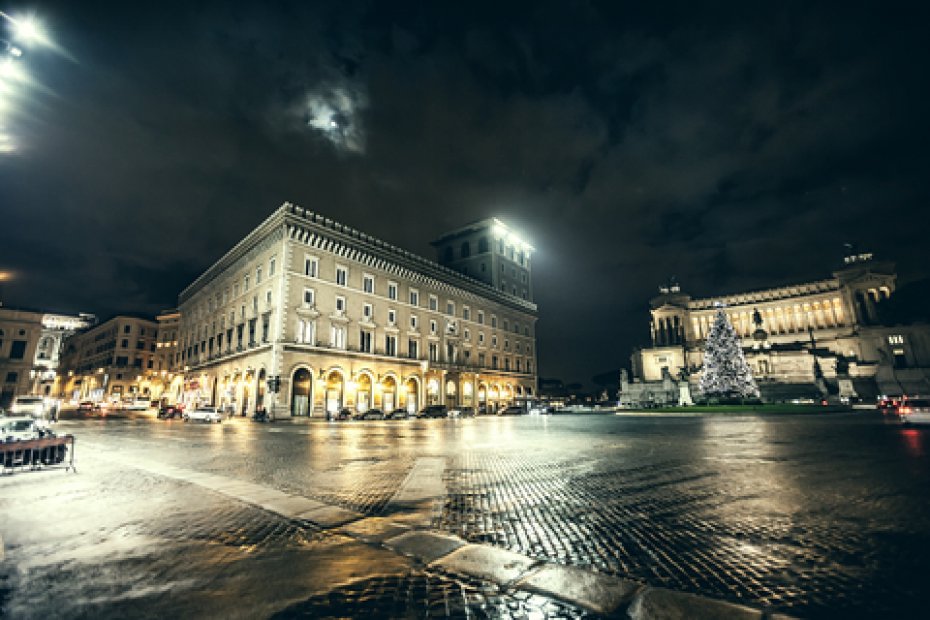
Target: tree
x=726 y=373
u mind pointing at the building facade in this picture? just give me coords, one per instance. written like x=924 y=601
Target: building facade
x=30 y=347
x=112 y=361
x=168 y=367
x=344 y=320
x=821 y=337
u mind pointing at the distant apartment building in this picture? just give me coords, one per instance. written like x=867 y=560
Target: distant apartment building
x=339 y=319
x=112 y=361
x=30 y=346
x=168 y=356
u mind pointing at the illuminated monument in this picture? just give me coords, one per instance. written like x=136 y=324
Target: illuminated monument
x=815 y=339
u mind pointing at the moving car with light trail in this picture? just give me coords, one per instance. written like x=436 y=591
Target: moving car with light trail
x=914 y=411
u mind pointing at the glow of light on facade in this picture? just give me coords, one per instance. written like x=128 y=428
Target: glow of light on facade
x=499 y=230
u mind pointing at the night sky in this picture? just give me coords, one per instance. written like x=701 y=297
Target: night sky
x=734 y=148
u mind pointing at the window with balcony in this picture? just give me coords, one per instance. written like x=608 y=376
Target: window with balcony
x=433 y=352
x=413 y=347
x=364 y=341
x=338 y=336
x=390 y=345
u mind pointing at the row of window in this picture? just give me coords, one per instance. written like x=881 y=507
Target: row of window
x=311 y=269
x=338 y=338
x=504 y=249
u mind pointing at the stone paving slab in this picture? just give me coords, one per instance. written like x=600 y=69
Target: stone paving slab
x=373 y=529
x=425 y=546
x=488 y=563
x=291 y=507
x=659 y=603
x=596 y=591
x=329 y=516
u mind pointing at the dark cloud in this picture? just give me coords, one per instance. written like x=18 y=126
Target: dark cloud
x=734 y=148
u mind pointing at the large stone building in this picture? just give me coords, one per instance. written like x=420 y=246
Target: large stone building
x=342 y=319
x=112 y=361
x=812 y=339
x=30 y=346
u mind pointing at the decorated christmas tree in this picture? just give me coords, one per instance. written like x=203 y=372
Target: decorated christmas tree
x=726 y=373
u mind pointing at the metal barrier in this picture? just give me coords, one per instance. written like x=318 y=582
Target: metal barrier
x=37 y=454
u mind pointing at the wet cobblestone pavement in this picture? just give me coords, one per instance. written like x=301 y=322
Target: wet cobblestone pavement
x=420 y=594
x=817 y=516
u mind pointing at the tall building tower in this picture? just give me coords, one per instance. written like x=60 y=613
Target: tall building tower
x=491 y=252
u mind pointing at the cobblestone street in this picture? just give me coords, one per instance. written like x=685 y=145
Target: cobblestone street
x=814 y=516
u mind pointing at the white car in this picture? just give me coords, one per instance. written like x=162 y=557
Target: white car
x=914 y=411
x=19 y=429
x=204 y=414
x=29 y=405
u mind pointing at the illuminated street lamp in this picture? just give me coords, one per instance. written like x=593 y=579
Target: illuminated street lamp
x=25 y=31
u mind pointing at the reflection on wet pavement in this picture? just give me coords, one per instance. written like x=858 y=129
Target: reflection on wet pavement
x=818 y=516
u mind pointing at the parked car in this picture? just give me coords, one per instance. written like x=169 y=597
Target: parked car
x=204 y=414
x=915 y=411
x=22 y=428
x=889 y=404
x=343 y=414
x=462 y=412
x=168 y=412
x=86 y=405
x=434 y=411
x=512 y=410
x=33 y=406
x=372 y=414
x=397 y=414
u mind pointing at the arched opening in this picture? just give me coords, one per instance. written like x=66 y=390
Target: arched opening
x=466 y=249
x=432 y=392
x=301 y=392
x=388 y=394
x=247 y=392
x=260 y=389
x=412 y=396
x=335 y=388
x=451 y=399
x=363 y=394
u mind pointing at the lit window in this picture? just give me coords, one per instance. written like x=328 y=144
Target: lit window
x=896 y=339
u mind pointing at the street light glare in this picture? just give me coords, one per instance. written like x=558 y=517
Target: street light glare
x=28 y=30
